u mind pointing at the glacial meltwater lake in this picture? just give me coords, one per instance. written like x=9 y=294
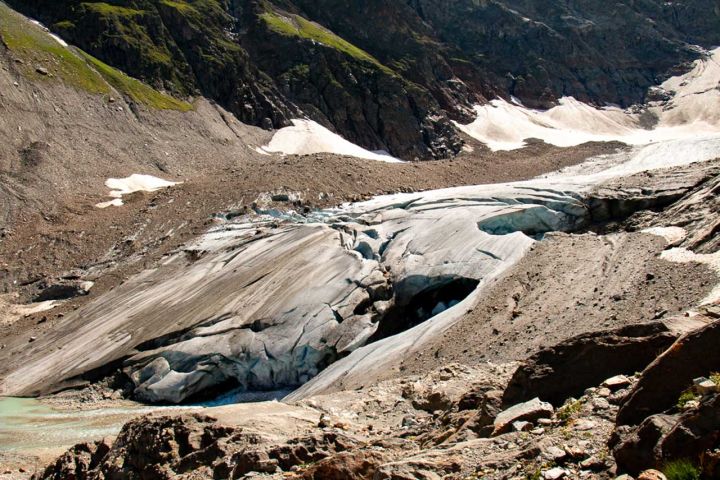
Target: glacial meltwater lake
x=28 y=424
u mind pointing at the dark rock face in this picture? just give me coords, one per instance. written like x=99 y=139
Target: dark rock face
x=663 y=381
x=635 y=449
x=78 y=462
x=660 y=439
x=387 y=74
x=567 y=369
x=696 y=434
x=539 y=51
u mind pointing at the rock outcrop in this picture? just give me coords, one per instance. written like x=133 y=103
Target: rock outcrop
x=672 y=412
x=693 y=436
x=566 y=370
x=665 y=379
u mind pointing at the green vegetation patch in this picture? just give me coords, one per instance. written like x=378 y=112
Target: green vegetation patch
x=681 y=470
x=686 y=397
x=296 y=26
x=135 y=89
x=105 y=9
x=127 y=25
x=36 y=49
x=570 y=408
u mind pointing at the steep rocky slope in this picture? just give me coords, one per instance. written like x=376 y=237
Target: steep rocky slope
x=387 y=75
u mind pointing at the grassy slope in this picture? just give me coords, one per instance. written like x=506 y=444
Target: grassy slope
x=294 y=25
x=35 y=48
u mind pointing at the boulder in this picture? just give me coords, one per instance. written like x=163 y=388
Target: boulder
x=354 y=465
x=634 y=449
x=694 y=355
x=616 y=383
x=652 y=474
x=78 y=462
x=567 y=369
x=528 y=411
x=487 y=409
x=62 y=289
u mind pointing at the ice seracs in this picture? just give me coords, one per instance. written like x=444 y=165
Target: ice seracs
x=692 y=108
x=306 y=137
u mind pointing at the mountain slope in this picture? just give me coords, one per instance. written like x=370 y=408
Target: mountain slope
x=387 y=74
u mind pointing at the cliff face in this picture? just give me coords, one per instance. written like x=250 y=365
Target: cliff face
x=387 y=74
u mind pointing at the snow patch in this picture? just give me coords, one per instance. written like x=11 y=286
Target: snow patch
x=117 y=202
x=306 y=137
x=693 y=109
x=131 y=184
x=673 y=235
x=54 y=37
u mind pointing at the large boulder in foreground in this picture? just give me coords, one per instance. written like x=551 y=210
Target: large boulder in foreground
x=523 y=412
x=567 y=369
x=694 y=355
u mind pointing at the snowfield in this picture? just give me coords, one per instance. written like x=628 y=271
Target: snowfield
x=306 y=137
x=693 y=109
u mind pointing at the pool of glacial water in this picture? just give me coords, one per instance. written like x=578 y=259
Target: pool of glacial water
x=29 y=424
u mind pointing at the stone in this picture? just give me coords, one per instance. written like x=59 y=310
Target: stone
x=569 y=368
x=634 y=449
x=704 y=386
x=554 y=473
x=528 y=411
x=618 y=397
x=486 y=412
x=652 y=475
x=624 y=477
x=604 y=392
x=694 y=434
x=42 y=71
x=522 y=426
x=593 y=463
x=617 y=382
x=663 y=381
x=554 y=453
x=353 y=465
x=600 y=404
x=61 y=289
x=576 y=453
x=583 y=425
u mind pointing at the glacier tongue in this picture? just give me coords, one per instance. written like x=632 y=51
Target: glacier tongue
x=267 y=304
